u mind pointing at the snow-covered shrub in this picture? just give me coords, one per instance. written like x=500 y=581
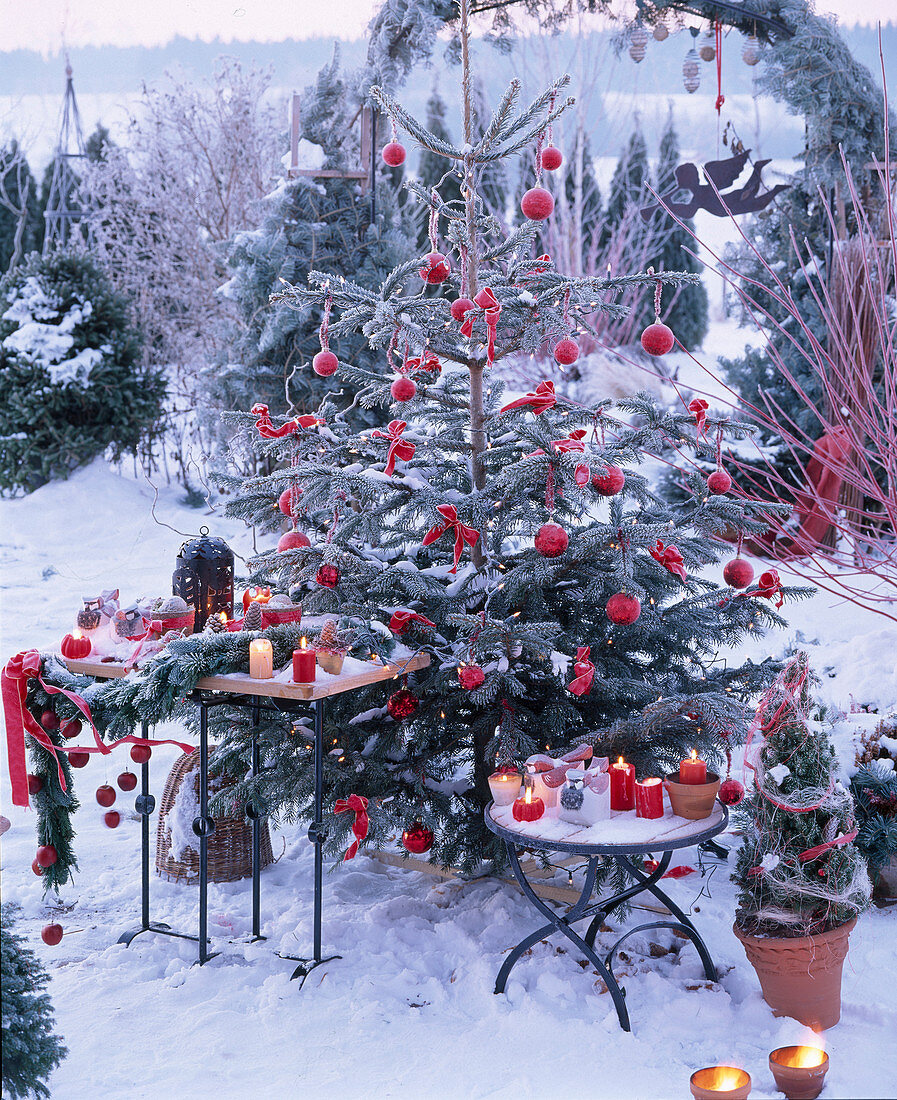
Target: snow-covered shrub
x=70 y=384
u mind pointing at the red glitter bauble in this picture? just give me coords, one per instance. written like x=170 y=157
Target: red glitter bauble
x=418 y=839
x=71 y=729
x=623 y=609
x=285 y=500
x=35 y=866
x=292 y=540
x=35 y=784
x=537 y=204
x=127 y=781
x=325 y=363
x=112 y=819
x=460 y=306
x=730 y=792
x=566 y=352
x=394 y=154
x=328 y=576
x=610 y=483
x=140 y=754
x=719 y=482
x=403 y=389
x=738 y=573
x=471 y=676
x=49 y=720
x=551 y=540
x=436 y=268
x=105 y=795
x=551 y=159
x=402 y=704
x=657 y=339
x=51 y=934
x=46 y=856
x=79 y=759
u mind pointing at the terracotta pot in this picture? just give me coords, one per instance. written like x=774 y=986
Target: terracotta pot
x=796 y=1081
x=720 y=1083
x=331 y=662
x=801 y=977
x=692 y=800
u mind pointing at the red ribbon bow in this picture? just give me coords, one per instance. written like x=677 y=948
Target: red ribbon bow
x=541 y=400
x=699 y=407
x=491 y=308
x=398 y=447
x=769 y=586
x=398 y=624
x=267 y=430
x=428 y=362
x=585 y=672
x=670 y=558
x=573 y=442
x=462 y=533
x=359 y=804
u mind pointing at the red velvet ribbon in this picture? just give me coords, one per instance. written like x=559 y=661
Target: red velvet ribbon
x=820 y=849
x=359 y=804
x=573 y=442
x=769 y=586
x=699 y=407
x=267 y=430
x=428 y=362
x=585 y=672
x=491 y=308
x=398 y=624
x=670 y=558
x=398 y=447
x=540 y=400
x=19 y=721
x=679 y=871
x=463 y=534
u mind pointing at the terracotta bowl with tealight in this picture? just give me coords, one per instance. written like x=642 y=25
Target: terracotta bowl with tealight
x=692 y=800
x=799 y=1071
x=720 y=1083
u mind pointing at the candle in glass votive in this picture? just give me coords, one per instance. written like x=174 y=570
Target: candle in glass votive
x=304 y=663
x=622 y=785
x=261 y=659
x=649 y=798
x=505 y=787
x=693 y=770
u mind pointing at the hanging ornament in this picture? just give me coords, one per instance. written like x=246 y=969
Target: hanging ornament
x=566 y=352
x=71 y=729
x=140 y=754
x=403 y=389
x=112 y=819
x=106 y=795
x=35 y=867
x=394 y=154
x=583 y=672
x=459 y=307
x=537 y=204
x=551 y=540
x=325 y=362
x=731 y=792
x=46 y=856
x=51 y=934
x=657 y=339
x=418 y=839
x=328 y=576
x=610 y=482
x=638 y=43
x=35 y=784
x=719 y=482
x=49 y=720
x=623 y=609
x=750 y=51
x=551 y=159
x=738 y=573
x=285 y=500
x=691 y=67
x=436 y=268
x=402 y=704
x=292 y=540
x=698 y=408
x=79 y=759
x=471 y=677
x=660 y=32
x=707 y=48
x=127 y=781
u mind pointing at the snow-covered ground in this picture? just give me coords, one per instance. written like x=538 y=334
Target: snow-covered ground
x=408 y=1010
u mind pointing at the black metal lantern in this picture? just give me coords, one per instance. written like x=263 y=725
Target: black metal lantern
x=204 y=577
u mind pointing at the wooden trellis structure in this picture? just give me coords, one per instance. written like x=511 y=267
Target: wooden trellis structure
x=63 y=211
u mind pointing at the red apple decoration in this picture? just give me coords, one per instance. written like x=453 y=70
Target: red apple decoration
x=51 y=934
x=35 y=783
x=140 y=754
x=49 y=720
x=71 y=729
x=46 y=856
x=79 y=759
x=127 y=781
x=112 y=819
x=106 y=795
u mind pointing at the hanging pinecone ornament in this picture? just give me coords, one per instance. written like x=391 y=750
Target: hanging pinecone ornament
x=252 y=620
x=610 y=482
x=537 y=204
x=566 y=352
x=402 y=704
x=328 y=576
x=551 y=540
x=471 y=677
x=418 y=839
x=738 y=573
x=719 y=482
x=623 y=609
x=730 y=792
x=551 y=159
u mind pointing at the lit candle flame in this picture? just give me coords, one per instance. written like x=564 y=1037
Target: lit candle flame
x=303 y=644
x=528 y=797
x=721 y=1078
x=694 y=754
x=620 y=763
x=223 y=616
x=76 y=633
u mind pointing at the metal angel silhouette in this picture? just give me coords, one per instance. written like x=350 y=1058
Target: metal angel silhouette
x=712 y=196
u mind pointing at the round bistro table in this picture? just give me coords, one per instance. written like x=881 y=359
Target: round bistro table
x=671 y=834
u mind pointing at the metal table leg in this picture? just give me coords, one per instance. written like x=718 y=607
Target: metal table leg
x=607 y=905
x=255 y=817
x=203 y=827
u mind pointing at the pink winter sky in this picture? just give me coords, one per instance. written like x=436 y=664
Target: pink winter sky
x=50 y=24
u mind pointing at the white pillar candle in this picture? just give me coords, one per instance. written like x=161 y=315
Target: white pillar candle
x=505 y=787
x=261 y=659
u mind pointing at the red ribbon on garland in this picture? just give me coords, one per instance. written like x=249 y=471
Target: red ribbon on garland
x=398 y=447
x=670 y=558
x=398 y=624
x=821 y=849
x=699 y=407
x=266 y=427
x=584 y=670
x=491 y=308
x=359 y=804
x=463 y=534
x=540 y=400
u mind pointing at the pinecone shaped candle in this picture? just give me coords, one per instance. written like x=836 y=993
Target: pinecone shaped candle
x=252 y=620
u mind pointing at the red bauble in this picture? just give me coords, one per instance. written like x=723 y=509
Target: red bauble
x=551 y=540
x=551 y=159
x=140 y=754
x=324 y=363
x=738 y=573
x=623 y=609
x=51 y=934
x=436 y=268
x=471 y=676
x=537 y=204
x=112 y=819
x=49 y=720
x=460 y=306
x=46 y=856
x=71 y=729
x=127 y=781
x=403 y=389
x=292 y=540
x=657 y=339
x=328 y=576
x=418 y=839
x=79 y=759
x=566 y=352
x=719 y=482
x=402 y=704
x=106 y=795
x=35 y=784
x=285 y=501
x=75 y=648
x=35 y=866
x=394 y=154
x=730 y=792
x=610 y=483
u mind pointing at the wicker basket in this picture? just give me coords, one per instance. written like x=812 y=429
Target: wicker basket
x=230 y=846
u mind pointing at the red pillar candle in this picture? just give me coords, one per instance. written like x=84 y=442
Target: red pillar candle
x=622 y=786
x=528 y=808
x=649 y=798
x=304 y=661
x=693 y=770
